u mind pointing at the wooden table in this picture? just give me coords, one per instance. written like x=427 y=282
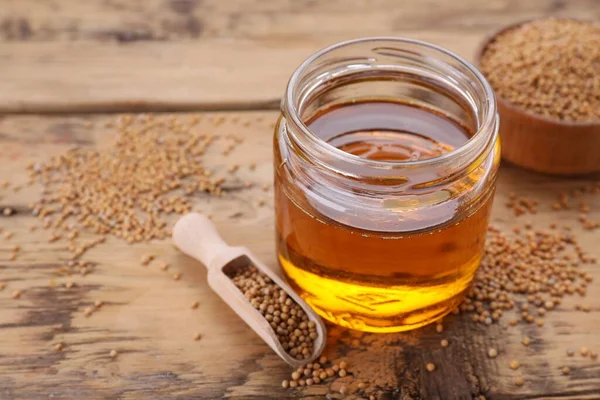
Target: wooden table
x=65 y=66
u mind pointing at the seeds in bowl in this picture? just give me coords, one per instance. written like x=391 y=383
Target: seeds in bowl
x=548 y=67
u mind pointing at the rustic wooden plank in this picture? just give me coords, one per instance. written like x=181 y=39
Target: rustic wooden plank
x=148 y=319
x=89 y=55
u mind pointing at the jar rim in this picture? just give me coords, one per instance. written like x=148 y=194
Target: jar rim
x=485 y=133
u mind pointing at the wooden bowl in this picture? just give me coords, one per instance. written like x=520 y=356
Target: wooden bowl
x=543 y=144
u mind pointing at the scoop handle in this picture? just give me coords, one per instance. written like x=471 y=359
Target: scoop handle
x=196 y=236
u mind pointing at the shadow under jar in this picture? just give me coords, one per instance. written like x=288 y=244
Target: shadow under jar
x=386 y=156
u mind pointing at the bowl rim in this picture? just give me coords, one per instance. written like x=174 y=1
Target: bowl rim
x=490 y=37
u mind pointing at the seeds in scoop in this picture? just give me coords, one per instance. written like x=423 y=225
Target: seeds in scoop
x=430 y=367
x=514 y=364
x=342 y=373
x=492 y=353
x=289 y=322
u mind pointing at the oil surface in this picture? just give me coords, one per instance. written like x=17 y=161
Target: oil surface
x=369 y=279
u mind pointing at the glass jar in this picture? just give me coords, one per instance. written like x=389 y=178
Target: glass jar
x=377 y=243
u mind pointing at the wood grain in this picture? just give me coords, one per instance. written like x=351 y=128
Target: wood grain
x=116 y=55
x=148 y=319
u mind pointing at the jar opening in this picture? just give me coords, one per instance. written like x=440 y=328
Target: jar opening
x=389 y=69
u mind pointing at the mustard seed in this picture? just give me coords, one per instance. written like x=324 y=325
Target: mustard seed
x=514 y=364
x=492 y=353
x=58 y=346
x=519 y=381
x=285 y=384
x=570 y=352
x=113 y=353
x=444 y=343
x=177 y=276
x=16 y=294
x=430 y=367
x=584 y=351
x=198 y=336
x=195 y=305
x=525 y=340
x=566 y=371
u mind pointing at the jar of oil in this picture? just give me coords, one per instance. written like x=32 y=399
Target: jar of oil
x=386 y=156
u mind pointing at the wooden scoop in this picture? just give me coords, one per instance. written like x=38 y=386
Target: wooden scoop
x=197 y=237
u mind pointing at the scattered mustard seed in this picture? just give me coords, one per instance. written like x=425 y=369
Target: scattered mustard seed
x=198 y=336
x=514 y=364
x=58 y=346
x=430 y=367
x=16 y=294
x=195 y=305
x=519 y=381
x=444 y=343
x=566 y=371
x=492 y=353
x=113 y=353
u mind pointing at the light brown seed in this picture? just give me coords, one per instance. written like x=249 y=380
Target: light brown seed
x=195 y=305
x=197 y=336
x=16 y=294
x=566 y=371
x=492 y=353
x=113 y=353
x=519 y=381
x=584 y=351
x=177 y=276
x=58 y=346
x=430 y=367
x=514 y=364
x=444 y=343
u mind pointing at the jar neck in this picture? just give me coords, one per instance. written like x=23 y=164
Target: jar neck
x=391 y=69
